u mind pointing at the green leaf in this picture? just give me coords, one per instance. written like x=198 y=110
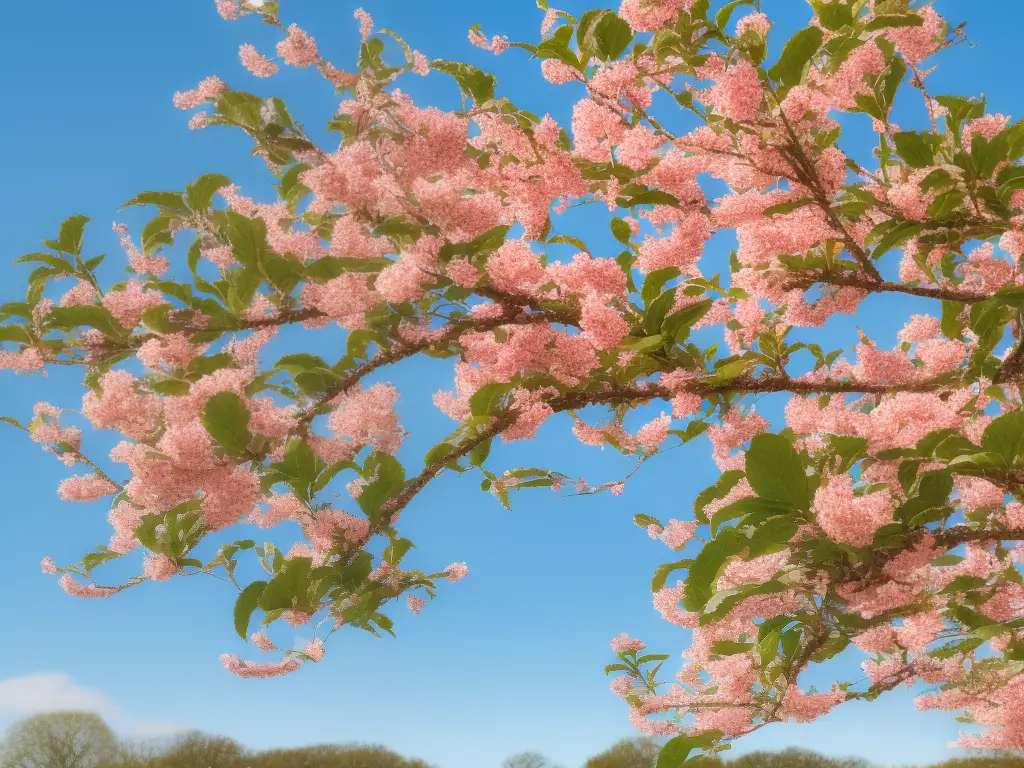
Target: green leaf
x=569 y=240
x=951 y=326
x=700 y=583
x=775 y=471
x=655 y=281
x=90 y=315
x=486 y=399
x=72 y=231
x=56 y=262
x=475 y=83
x=721 y=603
x=898 y=235
x=621 y=230
x=226 y=418
x=246 y=603
x=657 y=310
x=730 y=647
x=725 y=12
x=833 y=15
x=1005 y=437
x=299 y=468
x=885 y=20
x=677 y=750
x=170 y=200
x=286 y=585
x=15 y=333
x=388 y=479
x=676 y=327
x=13 y=422
x=728 y=480
x=248 y=238
x=649 y=197
x=200 y=192
x=916 y=148
x=787 y=207
x=796 y=54
x=330 y=267
x=749 y=505
x=661 y=573
x=642 y=521
x=613 y=35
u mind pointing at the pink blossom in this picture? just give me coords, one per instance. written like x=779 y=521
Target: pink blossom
x=757 y=23
x=140 y=262
x=128 y=304
x=228 y=9
x=558 y=72
x=1013 y=242
x=655 y=432
x=625 y=644
x=119 y=406
x=87 y=488
x=919 y=328
x=806 y=707
x=737 y=92
x=847 y=518
x=879 y=639
x=677 y=533
x=159 y=568
x=208 y=89
x=173 y=349
x=515 y=268
x=298 y=49
x=497 y=45
x=48 y=566
x=918 y=43
x=414 y=603
x=456 y=571
x=73 y=588
x=314 y=649
x=621 y=686
x=251 y=669
x=940 y=355
x=365 y=23
x=83 y=293
x=919 y=630
x=651 y=15
x=686 y=404
x=261 y=641
x=603 y=326
x=420 y=64
x=258 y=64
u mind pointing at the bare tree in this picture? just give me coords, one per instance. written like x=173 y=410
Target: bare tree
x=527 y=760
x=60 y=740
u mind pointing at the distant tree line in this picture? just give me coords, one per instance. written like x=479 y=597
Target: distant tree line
x=84 y=740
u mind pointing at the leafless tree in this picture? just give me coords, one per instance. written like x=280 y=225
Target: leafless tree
x=60 y=740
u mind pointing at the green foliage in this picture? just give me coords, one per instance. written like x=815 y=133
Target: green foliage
x=789 y=69
x=628 y=753
x=226 y=418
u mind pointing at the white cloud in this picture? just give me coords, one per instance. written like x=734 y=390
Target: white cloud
x=51 y=692
x=154 y=729
x=56 y=691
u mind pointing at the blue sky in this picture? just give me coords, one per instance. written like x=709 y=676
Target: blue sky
x=511 y=658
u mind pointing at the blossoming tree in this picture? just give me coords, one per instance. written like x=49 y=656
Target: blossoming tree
x=884 y=516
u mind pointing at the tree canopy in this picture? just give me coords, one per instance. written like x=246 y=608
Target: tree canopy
x=884 y=519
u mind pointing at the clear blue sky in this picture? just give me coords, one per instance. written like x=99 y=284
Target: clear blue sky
x=511 y=658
